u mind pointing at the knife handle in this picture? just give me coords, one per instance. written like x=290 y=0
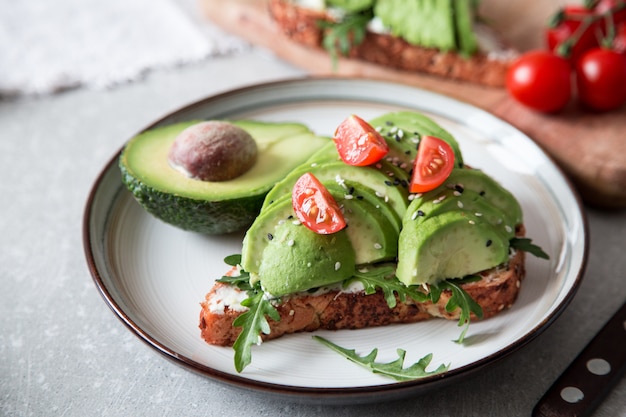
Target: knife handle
x=591 y=376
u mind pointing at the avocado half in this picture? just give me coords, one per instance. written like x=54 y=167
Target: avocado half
x=205 y=206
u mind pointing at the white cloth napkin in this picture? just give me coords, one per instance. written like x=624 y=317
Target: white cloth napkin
x=52 y=45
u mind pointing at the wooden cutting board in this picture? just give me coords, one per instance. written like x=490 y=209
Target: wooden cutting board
x=590 y=148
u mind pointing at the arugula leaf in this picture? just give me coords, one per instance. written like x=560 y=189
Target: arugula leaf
x=393 y=369
x=526 y=245
x=340 y=36
x=458 y=299
x=384 y=278
x=241 y=281
x=252 y=322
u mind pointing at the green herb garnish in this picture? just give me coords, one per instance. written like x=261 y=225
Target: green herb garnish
x=394 y=369
x=340 y=36
x=384 y=278
x=253 y=322
x=526 y=245
x=458 y=299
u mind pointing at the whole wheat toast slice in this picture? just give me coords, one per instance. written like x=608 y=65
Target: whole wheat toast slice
x=486 y=67
x=336 y=309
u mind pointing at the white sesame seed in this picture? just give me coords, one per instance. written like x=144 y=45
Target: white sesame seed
x=348 y=196
x=456 y=193
x=414 y=215
x=337 y=266
x=478 y=214
x=460 y=204
x=378 y=246
x=472 y=222
x=508 y=228
x=290 y=242
x=296 y=222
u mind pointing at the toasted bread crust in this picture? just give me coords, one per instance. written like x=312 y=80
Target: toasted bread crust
x=301 y=25
x=336 y=310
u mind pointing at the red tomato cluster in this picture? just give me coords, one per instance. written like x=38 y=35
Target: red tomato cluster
x=586 y=50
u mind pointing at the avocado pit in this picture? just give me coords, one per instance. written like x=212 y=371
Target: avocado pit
x=213 y=151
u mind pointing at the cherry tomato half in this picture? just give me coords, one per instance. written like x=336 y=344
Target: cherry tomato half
x=358 y=143
x=433 y=164
x=315 y=207
x=540 y=80
x=571 y=19
x=601 y=79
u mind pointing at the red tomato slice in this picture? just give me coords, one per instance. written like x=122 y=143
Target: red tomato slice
x=315 y=207
x=358 y=143
x=433 y=164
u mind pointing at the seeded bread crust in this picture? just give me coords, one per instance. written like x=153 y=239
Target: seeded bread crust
x=337 y=310
x=301 y=25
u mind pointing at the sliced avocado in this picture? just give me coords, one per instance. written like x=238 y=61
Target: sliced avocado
x=488 y=188
x=373 y=237
x=402 y=130
x=464 y=22
x=205 y=206
x=389 y=189
x=428 y=23
x=364 y=193
x=452 y=244
x=297 y=259
x=262 y=230
x=448 y=199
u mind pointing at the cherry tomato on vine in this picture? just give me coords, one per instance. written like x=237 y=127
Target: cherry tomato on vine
x=619 y=42
x=315 y=207
x=601 y=79
x=540 y=80
x=358 y=143
x=564 y=27
x=604 y=6
x=433 y=164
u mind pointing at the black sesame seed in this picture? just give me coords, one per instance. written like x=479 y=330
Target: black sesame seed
x=407 y=152
x=482 y=193
x=389 y=183
x=397 y=137
x=404 y=183
x=270 y=236
x=489 y=242
x=290 y=217
x=389 y=123
x=420 y=213
x=351 y=190
x=459 y=188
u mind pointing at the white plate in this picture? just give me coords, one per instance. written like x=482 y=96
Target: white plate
x=154 y=276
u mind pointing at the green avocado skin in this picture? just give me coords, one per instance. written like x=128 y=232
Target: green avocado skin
x=191 y=214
